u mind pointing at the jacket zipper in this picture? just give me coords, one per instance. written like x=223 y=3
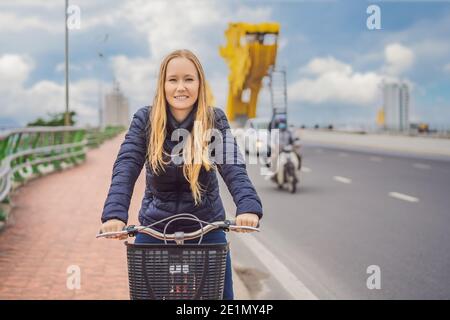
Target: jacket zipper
x=178 y=189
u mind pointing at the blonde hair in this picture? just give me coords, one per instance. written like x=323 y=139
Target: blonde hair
x=195 y=150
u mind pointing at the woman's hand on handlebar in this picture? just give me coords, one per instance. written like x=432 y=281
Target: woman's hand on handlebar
x=113 y=225
x=247 y=219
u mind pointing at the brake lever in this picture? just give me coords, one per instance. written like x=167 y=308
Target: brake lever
x=131 y=231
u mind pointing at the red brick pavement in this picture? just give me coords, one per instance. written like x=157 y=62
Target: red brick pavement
x=53 y=226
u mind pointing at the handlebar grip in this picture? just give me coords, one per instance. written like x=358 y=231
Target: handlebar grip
x=232 y=222
x=130 y=230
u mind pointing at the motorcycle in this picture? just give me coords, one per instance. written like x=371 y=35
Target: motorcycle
x=289 y=163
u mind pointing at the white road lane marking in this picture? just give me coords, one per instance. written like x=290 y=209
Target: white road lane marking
x=343 y=155
x=403 y=196
x=306 y=169
x=376 y=159
x=422 y=166
x=342 y=179
x=278 y=269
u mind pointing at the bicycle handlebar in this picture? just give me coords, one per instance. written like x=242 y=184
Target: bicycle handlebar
x=132 y=230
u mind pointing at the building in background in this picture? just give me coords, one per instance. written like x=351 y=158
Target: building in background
x=396 y=103
x=116 y=109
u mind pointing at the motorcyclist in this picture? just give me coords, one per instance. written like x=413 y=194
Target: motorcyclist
x=285 y=138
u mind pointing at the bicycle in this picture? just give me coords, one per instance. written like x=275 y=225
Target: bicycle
x=177 y=271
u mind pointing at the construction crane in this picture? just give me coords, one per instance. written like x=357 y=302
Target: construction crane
x=250 y=53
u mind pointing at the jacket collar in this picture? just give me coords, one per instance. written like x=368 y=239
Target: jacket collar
x=187 y=123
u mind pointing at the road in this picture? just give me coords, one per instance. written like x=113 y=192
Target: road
x=354 y=209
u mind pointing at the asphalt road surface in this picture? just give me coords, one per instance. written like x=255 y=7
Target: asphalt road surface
x=359 y=220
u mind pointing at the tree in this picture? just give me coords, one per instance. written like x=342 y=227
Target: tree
x=56 y=119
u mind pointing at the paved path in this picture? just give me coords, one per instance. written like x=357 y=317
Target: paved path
x=53 y=226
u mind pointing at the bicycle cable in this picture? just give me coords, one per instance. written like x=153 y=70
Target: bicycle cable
x=181 y=216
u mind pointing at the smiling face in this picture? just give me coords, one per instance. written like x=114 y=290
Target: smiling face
x=181 y=85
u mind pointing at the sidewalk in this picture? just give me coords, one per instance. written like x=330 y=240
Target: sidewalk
x=53 y=227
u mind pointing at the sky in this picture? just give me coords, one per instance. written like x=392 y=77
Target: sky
x=334 y=62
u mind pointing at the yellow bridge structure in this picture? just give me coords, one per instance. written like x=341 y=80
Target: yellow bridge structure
x=250 y=52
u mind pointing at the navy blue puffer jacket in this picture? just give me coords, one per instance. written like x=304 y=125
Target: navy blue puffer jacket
x=169 y=193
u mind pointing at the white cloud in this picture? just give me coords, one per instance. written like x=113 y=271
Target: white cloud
x=172 y=25
x=28 y=103
x=11 y=22
x=190 y=24
x=137 y=78
x=335 y=81
x=166 y=26
x=28 y=3
x=14 y=70
x=47 y=16
x=327 y=79
x=87 y=66
x=398 y=59
x=110 y=16
x=163 y=25
x=425 y=44
x=368 y=58
x=319 y=66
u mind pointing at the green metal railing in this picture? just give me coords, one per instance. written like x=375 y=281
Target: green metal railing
x=35 y=151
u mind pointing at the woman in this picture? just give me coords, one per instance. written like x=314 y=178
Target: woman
x=186 y=186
